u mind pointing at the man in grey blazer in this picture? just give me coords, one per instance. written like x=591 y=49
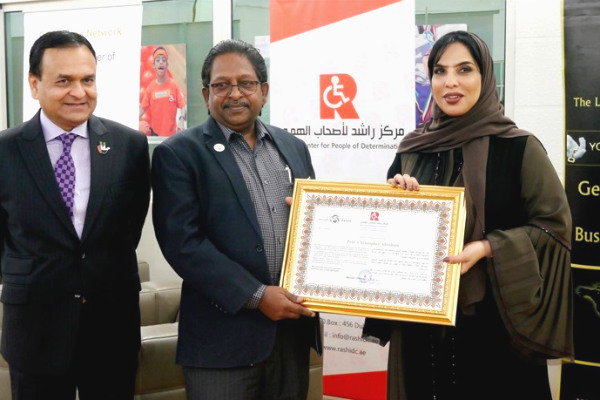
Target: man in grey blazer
x=220 y=217
x=74 y=193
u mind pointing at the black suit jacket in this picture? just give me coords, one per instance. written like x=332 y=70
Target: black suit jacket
x=46 y=269
x=208 y=231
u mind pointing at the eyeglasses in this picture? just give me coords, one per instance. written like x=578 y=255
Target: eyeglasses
x=246 y=88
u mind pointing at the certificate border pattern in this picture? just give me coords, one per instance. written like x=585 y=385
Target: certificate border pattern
x=372 y=302
x=434 y=301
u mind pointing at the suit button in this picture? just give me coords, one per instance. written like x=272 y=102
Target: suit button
x=83 y=256
x=259 y=248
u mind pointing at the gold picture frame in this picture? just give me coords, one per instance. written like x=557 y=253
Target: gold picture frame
x=375 y=250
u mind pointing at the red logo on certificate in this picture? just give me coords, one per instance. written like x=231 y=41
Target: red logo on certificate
x=374 y=216
x=337 y=93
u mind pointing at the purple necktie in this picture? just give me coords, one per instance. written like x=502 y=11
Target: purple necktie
x=64 y=170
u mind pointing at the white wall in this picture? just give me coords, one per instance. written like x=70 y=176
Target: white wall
x=535 y=85
x=534 y=72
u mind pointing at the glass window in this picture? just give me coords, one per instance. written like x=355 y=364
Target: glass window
x=14 y=67
x=251 y=24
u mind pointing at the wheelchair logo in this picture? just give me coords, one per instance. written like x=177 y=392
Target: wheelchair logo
x=337 y=93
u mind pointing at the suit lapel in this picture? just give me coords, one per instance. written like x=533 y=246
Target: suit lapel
x=215 y=141
x=34 y=152
x=291 y=157
x=100 y=171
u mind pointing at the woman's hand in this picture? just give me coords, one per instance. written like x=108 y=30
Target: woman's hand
x=404 y=181
x=472 y=252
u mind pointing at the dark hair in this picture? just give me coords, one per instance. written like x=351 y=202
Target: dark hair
x=51 y=40
x=157 y=49
x=454 y=37
x=239 y=47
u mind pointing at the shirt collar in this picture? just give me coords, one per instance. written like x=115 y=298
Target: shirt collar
x=52 y=131
x=261 y=131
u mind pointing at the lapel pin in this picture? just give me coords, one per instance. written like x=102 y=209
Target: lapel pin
x=102 y=148
x=219 y=147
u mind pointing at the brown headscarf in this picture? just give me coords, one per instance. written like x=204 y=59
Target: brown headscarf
x=540 y=327
x=470 y=131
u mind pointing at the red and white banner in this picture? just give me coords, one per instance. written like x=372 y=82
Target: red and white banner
x=342 y=79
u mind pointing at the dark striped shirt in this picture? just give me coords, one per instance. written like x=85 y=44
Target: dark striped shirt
x=269 y=181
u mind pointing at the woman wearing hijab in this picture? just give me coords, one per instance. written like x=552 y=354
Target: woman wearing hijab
x=515 y=300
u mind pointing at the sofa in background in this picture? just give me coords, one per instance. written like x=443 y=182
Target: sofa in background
x=158 y=377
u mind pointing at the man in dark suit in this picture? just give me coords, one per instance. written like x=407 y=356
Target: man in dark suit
x=74 y=192
x=220 y=216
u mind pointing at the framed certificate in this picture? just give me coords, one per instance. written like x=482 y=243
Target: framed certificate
x=375 y=250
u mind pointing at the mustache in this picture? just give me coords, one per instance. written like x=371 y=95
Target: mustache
x=236 y=103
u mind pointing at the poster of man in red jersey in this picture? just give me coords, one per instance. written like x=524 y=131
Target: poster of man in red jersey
x=163 y=91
